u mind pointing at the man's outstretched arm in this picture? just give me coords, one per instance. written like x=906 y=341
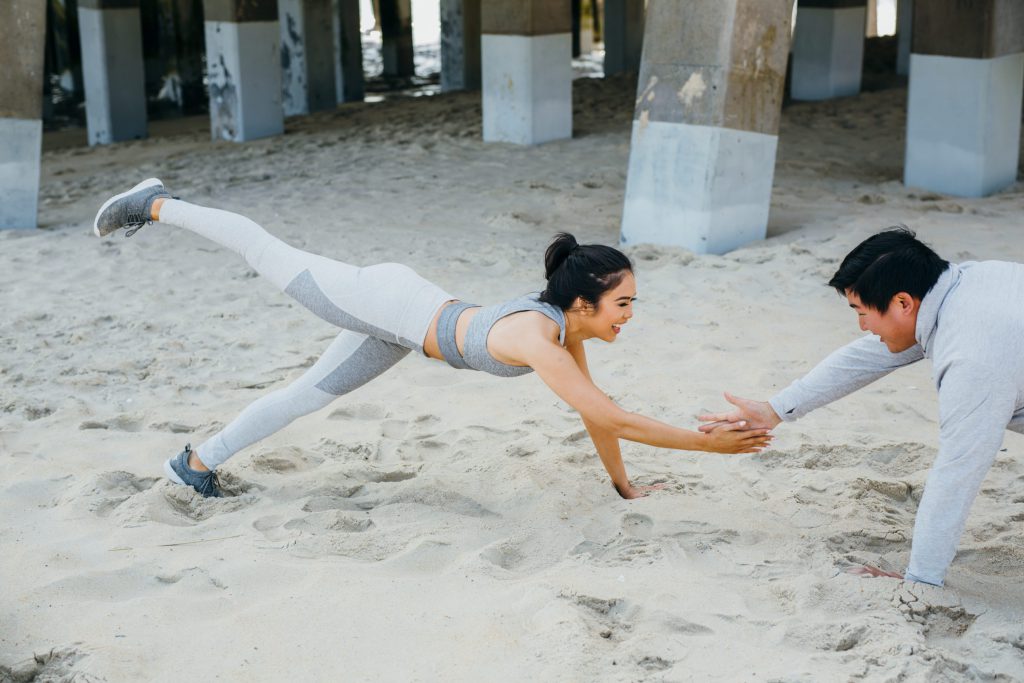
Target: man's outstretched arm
x=975 y=405
x=844 y=371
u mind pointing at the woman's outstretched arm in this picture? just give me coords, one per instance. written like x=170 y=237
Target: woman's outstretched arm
x=559 y=370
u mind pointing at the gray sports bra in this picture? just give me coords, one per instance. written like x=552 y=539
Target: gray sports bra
x=476 y=356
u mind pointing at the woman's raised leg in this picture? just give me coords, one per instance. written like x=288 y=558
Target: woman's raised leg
x=389 y=300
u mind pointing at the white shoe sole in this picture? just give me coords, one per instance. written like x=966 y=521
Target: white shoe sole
x=171 y=474
x=148 y=182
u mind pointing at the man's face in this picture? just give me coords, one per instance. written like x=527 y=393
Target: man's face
x=896 y=327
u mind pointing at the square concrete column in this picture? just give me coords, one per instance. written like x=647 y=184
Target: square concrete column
x=828 y=49
x=460 y=45
x=348 y=52
x=307 y=56
x=527 y=70
x=22 y=43
x=705 y=132
x=964 y=104
x=243 y=62
x=904 y=33
x=396 y=37
x=112 y=68
x=623 y=35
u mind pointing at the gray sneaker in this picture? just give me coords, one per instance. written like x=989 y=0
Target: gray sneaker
x=179 y=472
x=129 y=209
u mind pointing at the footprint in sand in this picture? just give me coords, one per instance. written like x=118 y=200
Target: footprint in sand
x=330 y=521
x=382 y=476
x=636 y=525
x=506 y=554
x=347 y=452
x=106 y=491
x=830 y=637
x=284 y=461
x=444 y=500
x=630 y=545
x=359 y=411
x=277 y=528
x=677 y=624
x=426 y=421
x=654 y=663
x=172 y=427
x=192 y=573
x=56 y=664
x=121 y=423
x=336 y=498
x=899 y=491
x=610 y=618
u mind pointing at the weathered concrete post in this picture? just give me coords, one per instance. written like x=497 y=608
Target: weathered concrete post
x=964 y=104
x=623 y=35
x=22 y=43
x=348 y=52
x=112 y=68
x=396 y=34
x=460 y=45
x=307 y=56
x=828 y=49
x=904 y=32
x=243 y=62
x=527 y=70
x=706 y=126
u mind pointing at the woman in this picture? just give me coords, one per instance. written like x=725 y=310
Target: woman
x=388 y=310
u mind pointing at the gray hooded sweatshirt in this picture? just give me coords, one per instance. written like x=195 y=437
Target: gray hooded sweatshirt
x=971 y=326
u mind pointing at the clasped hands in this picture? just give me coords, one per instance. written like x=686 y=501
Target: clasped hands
x=755 y=415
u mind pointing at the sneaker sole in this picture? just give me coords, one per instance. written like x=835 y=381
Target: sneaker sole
x=171 y=474
x=148 y=182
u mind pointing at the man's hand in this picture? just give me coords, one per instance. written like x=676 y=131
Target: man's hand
x=629 y=491
x=757 y=415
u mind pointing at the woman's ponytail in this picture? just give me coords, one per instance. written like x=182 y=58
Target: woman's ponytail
x=584 y=271
x=557 y=252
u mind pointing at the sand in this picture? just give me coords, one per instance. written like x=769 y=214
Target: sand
x=447 y=525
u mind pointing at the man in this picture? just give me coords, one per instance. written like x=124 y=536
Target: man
x=969 y=320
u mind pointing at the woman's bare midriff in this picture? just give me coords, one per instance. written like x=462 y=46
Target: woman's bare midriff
x=430 y=345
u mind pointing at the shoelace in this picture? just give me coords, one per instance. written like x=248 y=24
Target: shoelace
x=211 y=480
x=134 y=227
x=136 y=221
x=211 y=484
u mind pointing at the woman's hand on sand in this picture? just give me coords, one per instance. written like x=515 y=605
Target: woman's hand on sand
x=629 y=491
x=736 y=437
x=756 y=414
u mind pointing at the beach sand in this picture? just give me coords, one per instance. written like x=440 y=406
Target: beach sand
x=449 y=525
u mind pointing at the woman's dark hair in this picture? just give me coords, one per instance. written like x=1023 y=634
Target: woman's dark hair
x=886 y=264
x=580 y=270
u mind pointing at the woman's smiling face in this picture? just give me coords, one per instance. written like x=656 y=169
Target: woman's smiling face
x=614 y=309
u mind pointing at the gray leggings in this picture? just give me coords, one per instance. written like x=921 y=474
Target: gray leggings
x=385 y=312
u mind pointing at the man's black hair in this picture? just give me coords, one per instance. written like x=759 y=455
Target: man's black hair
x=886 y=264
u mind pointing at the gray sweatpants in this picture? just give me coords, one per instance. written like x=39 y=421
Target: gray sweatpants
x=385 y=311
